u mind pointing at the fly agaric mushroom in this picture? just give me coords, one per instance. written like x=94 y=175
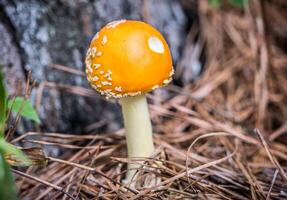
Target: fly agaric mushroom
x=125 y=60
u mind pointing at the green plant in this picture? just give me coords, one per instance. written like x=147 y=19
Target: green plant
x=214 y=3
x=237 y=3
x=8 y=189
x=25 y=109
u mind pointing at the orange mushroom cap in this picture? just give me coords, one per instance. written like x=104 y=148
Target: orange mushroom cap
x=126 y=58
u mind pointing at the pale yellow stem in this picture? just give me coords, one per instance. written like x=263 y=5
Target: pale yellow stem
x=138 y=130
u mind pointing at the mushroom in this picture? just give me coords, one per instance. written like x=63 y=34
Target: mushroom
x=125 y=60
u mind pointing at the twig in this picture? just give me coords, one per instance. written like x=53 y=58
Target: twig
x=71 y=164
x=67 y=69
x=271 y=157
x=272 y=184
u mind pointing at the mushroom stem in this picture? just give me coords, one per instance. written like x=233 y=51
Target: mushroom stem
x=138 y=130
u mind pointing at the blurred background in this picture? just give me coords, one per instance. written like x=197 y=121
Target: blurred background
x=219 y=41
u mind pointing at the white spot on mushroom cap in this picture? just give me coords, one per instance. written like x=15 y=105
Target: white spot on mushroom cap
x=95 y=78
x=118 y=88
x=88 y=66
x=96 y=36
x=95 y=87
x=107 y=75
x=89 y=78
x=99 y=54
x=104 y=40
x=132 y=94
x=97 y=66
x=155 y=44
x=155 y=87
x=106 y=83
x=114 y=24
x=93 y=51
x=166 y=81
x=171 y=72
x=88 y=52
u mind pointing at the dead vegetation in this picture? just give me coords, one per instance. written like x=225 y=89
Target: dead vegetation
x=220 y=137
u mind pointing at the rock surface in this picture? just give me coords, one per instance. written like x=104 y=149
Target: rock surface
x=36 y=34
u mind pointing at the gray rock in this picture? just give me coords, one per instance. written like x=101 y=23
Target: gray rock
x=10 y=62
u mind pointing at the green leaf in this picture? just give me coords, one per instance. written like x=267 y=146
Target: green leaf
x=26 y=107
x=239 y=3
x=215 y=3
x=7 y=148
x=16 y=157
x=3 y=105
x=8 y=188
